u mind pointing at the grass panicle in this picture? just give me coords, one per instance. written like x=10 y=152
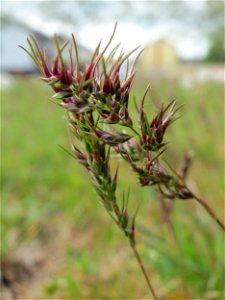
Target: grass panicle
x=96 y=96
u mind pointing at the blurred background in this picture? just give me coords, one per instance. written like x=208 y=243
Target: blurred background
x=57 y=241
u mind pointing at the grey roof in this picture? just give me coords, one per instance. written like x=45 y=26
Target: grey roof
x=14 y=59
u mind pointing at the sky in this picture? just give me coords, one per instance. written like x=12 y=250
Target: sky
x=139 y=22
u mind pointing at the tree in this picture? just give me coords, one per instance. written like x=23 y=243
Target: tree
x=216 y=51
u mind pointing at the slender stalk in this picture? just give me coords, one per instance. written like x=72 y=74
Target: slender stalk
x=139 y=260
x=210 y=211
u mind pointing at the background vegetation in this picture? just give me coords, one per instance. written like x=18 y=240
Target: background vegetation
x=49 y=206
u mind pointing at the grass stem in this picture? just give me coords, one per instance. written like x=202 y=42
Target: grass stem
x=137 y=256
x=210 y=211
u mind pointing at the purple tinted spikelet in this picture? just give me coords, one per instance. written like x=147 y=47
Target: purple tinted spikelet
x=153 y=132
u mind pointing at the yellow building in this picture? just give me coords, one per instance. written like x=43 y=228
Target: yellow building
x=160 y=54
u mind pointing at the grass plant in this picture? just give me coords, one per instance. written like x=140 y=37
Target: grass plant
x=96 y=102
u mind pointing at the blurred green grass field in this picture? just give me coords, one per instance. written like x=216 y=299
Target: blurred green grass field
x=49 y=203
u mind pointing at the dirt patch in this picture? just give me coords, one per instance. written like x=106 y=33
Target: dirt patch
x=20 y=268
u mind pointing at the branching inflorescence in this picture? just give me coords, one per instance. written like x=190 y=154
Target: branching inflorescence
x=96 y=100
